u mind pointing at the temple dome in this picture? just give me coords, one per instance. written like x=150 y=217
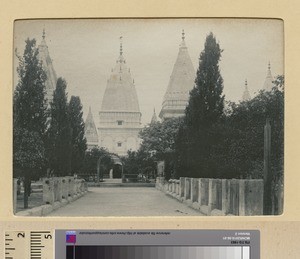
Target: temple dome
x=120 y=93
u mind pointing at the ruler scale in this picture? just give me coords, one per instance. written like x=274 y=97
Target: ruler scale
x=29 y=245
x=133 y=244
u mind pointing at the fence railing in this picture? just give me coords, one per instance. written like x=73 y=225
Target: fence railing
x=217 y=196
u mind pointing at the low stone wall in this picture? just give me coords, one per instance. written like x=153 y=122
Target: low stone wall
x=57 y=192
x=217 y=196
x=58 y=188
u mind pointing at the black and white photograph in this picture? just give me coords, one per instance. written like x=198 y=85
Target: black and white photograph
x=148 y=117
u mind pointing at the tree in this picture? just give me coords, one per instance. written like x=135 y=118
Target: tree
x=159 y=138
x=246 y=123
x=197 y=137
x=91 y=159
x=78 y=140
x=29 y=117
x=60 y=132
x=158 y=143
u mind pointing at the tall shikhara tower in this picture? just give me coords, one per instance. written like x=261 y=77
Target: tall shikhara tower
x=47 y=65
x=120 y=116
x=181 y=82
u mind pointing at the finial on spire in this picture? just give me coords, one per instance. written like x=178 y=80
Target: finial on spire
x=121 y=47
x=44 y=34
x=246 y=83
x=183 y=34
x=269 y=65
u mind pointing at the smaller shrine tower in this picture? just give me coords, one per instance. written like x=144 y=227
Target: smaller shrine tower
x=268 y=84
x=154 y=117
x=47 y=65
x=246 y=94
x=90 y=131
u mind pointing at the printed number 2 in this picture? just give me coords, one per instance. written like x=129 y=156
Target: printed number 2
x=21 y=235
x=48 y=236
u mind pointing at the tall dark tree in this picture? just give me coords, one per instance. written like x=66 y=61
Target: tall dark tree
x=197 y=137
x=78 y=140
x=29 y=117
x=60 y=132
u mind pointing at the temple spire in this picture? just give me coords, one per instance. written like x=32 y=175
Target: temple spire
x=268 y=84
x=44 y=34
x=121 y=47
x=246 y=94
x=182 y=45
x=154 y=117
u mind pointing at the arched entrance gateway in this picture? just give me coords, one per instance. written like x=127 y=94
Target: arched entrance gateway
x=115 y=172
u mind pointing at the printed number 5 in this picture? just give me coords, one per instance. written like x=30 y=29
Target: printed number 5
x=48 y=236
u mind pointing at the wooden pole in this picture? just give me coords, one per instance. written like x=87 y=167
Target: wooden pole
x=267 y=171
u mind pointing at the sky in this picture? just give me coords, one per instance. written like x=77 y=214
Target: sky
x=85 y=50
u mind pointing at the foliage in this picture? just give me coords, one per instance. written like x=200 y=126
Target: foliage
x=91 y=158
x=29 y=151
x=158 y=143
x=29 y=117
x=78 y=140
x=29 y=97
x=60 y=132
x=246 y=124
x=198 y=136
x=159 y=138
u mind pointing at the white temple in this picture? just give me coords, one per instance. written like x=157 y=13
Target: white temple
x=120 y=116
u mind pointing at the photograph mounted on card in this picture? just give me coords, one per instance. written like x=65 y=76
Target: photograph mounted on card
x=148 y=117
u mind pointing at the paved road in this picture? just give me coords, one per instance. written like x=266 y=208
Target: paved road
x=126 y=201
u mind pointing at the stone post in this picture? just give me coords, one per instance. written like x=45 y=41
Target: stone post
x=173 y=186
x=203 y=191
x=182 y=185
x=177 y=187
x=225 y=196
x=65 y=187
x=48 y=191
x=212 y=195
x=241 y=197
x=234 y=197
x=58 y=189
x=71 y=186
x=194 y=189
x=187 y=189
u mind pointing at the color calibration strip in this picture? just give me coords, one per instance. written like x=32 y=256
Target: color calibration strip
x=158 y=252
